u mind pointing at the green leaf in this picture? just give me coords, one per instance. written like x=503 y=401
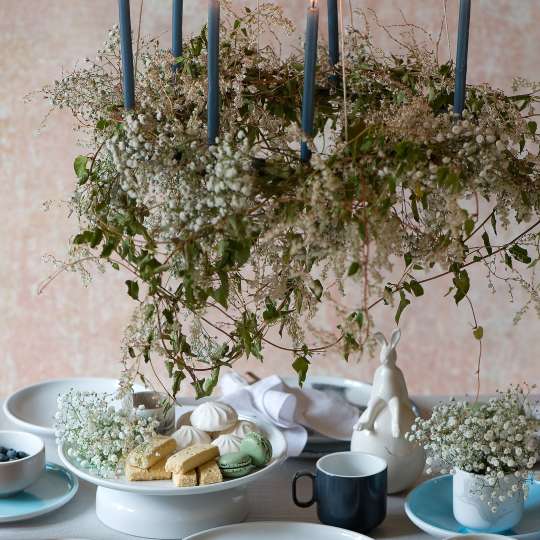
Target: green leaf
x=79 y=166
x=317 y=289
x=478 y=332
x=414 y=207
x=271 y=313
x=408 y=258
x=211 y=382
x=487 y=243
x=520 y=254
x=468 y=226
x=83 y=238
x=416 y=288
x=357 y=317
x=403 y=303
x=178 y=377
x=301 y=366
x=133 y=289
x=508 y=260
x=97 y=237
x=353 y=269
x=494 y=223
x=532 y=127
x=462 y=284
x=102 y=124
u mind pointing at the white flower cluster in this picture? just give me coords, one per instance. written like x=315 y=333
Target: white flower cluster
x=96 y=433
x=216 y=184
x=494 y=440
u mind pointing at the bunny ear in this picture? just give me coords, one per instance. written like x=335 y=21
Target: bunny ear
x=396 y=336
x=379 y=336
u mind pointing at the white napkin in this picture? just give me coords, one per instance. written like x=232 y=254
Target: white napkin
x=291 y=409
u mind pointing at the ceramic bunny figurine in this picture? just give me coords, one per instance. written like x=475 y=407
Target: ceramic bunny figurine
x=389 y=415
x=389 y=388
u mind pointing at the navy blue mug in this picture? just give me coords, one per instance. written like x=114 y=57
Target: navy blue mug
x=349 y=489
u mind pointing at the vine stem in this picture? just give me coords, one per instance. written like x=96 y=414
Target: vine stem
x=479 y=349
x=396 y=289
x=466 y=265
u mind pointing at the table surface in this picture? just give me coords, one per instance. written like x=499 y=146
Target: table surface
x=270 y=500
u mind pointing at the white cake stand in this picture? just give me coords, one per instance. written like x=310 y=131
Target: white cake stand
x=159 y=509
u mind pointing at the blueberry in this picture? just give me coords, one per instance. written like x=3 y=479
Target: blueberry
x=22 y=455
x=11 y=454
x=3 y=457
x=3 y=449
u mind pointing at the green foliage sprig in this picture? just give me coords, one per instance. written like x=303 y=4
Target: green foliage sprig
x=225 y=243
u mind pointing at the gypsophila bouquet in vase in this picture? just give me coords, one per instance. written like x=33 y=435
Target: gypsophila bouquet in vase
x=490 y=449
x=98 y=432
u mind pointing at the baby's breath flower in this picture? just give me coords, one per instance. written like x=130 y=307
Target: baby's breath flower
x=96 y=433
x=455 y=438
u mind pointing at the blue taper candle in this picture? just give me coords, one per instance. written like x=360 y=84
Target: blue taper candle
x=213 y=70
x=127 y=54
x=177 y=15
x=461 y=55
x=310 y=67
x=333 y=32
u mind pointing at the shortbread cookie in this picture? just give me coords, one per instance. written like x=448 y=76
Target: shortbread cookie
x=150 y=452
x=185 y=479
x=156 y=472
x=190 y=458
x=209 y=473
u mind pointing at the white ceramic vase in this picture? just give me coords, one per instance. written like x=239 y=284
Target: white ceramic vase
x=470 y=496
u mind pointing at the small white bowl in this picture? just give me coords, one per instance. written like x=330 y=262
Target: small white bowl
x=479 y=536
x=21 y=473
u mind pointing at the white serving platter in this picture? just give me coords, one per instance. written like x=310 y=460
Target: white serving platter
x=167 y=488
x=278 y=530
x=159 y=509
x=32 y=408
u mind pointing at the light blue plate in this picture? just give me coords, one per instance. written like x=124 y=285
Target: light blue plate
x=55 y=487
x=429 y=507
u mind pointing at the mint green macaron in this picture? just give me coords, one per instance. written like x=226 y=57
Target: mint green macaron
x=235 y=464
x=258 y=447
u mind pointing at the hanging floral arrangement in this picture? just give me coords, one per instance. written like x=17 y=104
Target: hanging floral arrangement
x=227 y=242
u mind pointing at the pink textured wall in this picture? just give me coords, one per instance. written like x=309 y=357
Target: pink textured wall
x=72 y=330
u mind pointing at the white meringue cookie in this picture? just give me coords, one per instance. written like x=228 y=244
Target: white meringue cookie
x=188 y=436
x=242 y=428
x=227 y=443
x=213 y=416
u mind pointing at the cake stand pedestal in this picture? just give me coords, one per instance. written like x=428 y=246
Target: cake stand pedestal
x=169 y=517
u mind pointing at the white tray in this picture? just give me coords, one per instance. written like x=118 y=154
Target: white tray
x=167 y=488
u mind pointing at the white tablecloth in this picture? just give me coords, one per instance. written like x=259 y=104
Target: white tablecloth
x=270 y=500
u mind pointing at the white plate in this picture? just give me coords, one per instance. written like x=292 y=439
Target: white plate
x=33 y=408
x=166 y=487
x=355 y=392
x=277 y=530
x=55 y=487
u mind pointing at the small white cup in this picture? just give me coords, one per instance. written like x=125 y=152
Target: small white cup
x=148 y=404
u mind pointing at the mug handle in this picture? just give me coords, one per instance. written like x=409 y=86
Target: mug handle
x=297 y=476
